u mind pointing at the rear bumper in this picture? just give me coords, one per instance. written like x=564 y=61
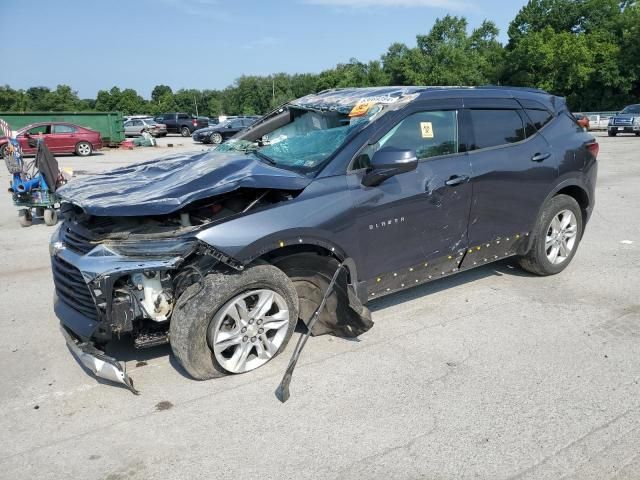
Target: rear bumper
x=97 y=361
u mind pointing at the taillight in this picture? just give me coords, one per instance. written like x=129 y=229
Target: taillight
x=594 y=148
x=195 y=123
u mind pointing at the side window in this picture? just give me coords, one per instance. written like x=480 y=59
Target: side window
x=492 y=128
x=136 y=123
x=183 y=116
x=40 y=130
x=236 y=123
x=430 y=134
x=539 y=118
x=63 y=129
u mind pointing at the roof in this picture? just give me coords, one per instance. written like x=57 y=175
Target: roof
x=343 y=99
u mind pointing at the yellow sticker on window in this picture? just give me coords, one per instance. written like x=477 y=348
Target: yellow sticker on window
x=360 y=109
x=427 y=129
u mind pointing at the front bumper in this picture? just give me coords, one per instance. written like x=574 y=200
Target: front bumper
x=624 y=129
x=97 y=361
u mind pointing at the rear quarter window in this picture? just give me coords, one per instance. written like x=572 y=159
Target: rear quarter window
x=493 y=128
x=538 y=119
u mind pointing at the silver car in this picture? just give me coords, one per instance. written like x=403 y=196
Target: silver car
x=135 y=127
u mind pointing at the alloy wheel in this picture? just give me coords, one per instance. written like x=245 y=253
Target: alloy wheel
x=84 y=149
x=248 y=330
x=561 y=237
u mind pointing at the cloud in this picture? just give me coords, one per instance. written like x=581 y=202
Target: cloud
x=451 y=4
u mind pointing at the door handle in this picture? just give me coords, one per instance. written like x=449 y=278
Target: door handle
x=456 y=180
x=540 y=157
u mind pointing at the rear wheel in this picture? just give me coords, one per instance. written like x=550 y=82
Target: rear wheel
x=185 y=132
x=215 y=138
x=25 y=218
x=83 y=149
x=556 y=237
x=233 y=323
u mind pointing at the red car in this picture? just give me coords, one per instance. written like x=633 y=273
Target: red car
x=59 y=137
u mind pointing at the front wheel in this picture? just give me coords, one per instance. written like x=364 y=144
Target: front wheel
x=233 y=323
x=555 y=238
x=612 y=134
x=215 y=138
x=185 y=132
x=50 y=217
x=83 y=149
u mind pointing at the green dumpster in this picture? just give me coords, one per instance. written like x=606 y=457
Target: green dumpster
x=109 y=124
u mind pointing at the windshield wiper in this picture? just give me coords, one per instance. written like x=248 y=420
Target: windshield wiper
x=262 y=156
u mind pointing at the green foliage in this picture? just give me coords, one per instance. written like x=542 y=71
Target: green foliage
x=585 y=50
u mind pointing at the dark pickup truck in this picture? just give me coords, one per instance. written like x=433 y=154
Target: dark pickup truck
x=181 y=123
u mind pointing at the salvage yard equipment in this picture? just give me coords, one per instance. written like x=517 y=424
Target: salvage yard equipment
x=33 y=185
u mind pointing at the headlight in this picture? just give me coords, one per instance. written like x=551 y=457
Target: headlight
x=610 y=121
x=153 y=248
x=636 y=121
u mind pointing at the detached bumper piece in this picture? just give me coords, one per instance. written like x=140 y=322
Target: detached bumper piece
x=98 y=362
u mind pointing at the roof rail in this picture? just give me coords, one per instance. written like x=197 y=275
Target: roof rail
x=506 y=87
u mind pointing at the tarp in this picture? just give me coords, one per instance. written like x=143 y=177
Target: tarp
x=164 y=186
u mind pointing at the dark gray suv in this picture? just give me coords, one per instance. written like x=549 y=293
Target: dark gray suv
x=221 y=252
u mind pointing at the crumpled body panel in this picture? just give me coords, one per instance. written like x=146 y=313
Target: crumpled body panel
x=164 y=186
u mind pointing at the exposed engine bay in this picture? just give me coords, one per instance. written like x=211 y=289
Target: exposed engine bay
x=132 y=295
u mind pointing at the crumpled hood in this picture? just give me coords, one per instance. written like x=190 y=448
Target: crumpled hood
x=163 y=186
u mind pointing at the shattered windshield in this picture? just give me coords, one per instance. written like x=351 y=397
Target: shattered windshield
x=307 y=141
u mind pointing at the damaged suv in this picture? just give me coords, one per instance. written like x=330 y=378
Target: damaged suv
x=221 y=252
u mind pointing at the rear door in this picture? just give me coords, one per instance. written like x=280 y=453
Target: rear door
x=513 y=168
x=64 y=137
x=413 y=227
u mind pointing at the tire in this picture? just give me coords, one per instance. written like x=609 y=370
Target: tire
x=539 y=259
x=197 y=315
x=50 y=217
x=612 y=134
x=637 y=134
x=311 y=274
x=185 y=132
x=3 y=150
x=216 y=138
x=84 y=149
x=25 y=218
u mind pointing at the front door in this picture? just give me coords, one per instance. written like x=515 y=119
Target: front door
x=42 y=131
x=412 y=228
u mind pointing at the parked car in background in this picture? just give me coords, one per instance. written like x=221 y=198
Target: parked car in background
x=583 y=121
x=59 y=137
x=404 y=185
x=135 y=127
x=181 y=123
x=627 y=121
x=217 y=134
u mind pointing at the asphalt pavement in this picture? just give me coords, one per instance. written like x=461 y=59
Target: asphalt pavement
x=490 y=374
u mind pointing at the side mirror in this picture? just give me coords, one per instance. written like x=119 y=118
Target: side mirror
x=388 y=162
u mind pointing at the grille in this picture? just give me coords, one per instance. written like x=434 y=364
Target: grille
x=72 y=289
x=77 y=241
x=623 y=121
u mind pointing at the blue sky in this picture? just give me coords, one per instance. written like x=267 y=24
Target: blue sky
x=96 y=44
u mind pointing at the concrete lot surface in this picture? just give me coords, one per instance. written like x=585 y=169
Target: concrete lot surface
x=491 y=374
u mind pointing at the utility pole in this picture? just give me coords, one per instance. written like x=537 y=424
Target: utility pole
x=195 y=100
